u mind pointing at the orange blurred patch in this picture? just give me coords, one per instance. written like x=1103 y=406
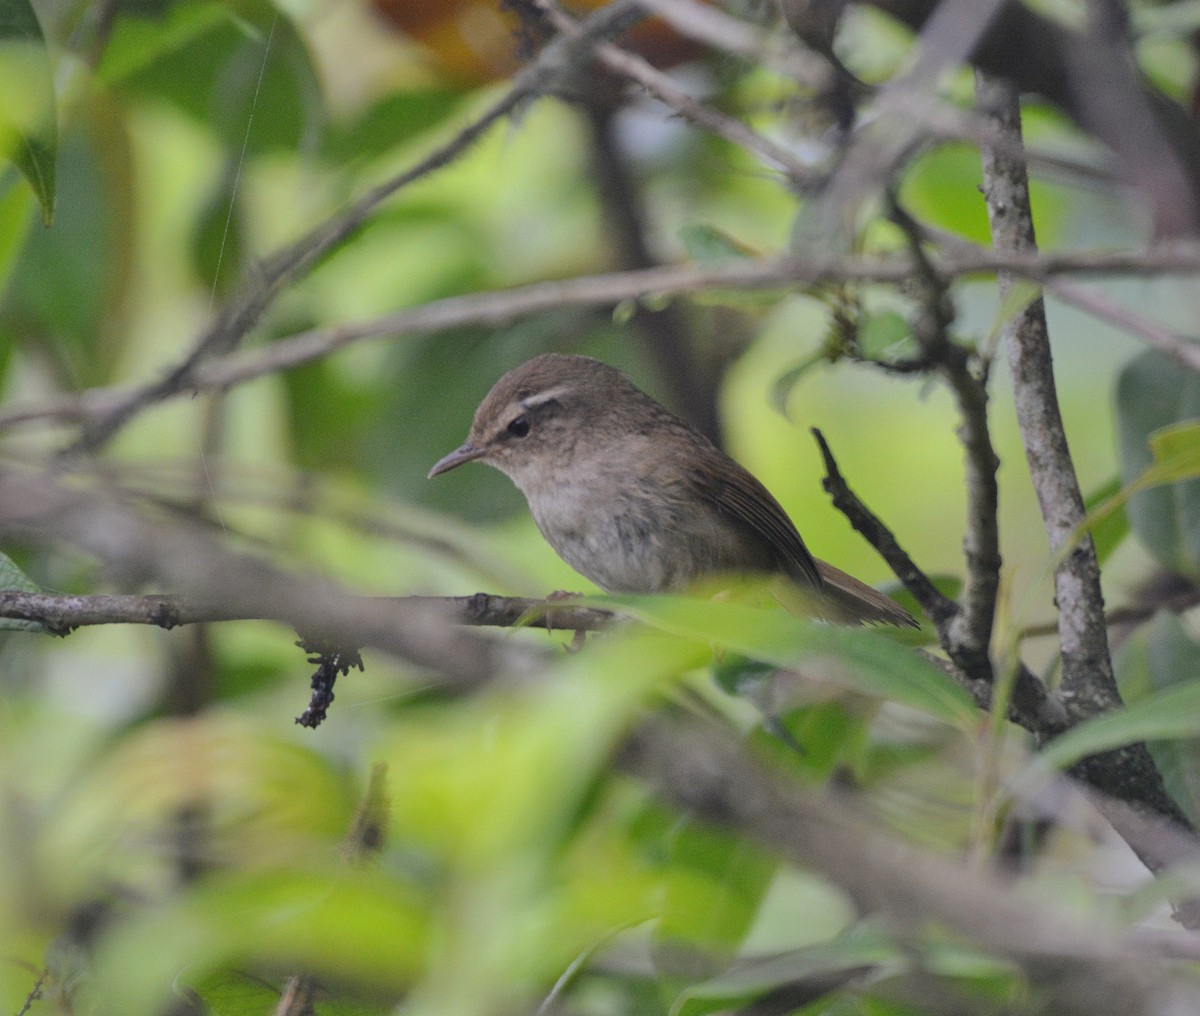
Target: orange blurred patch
x=476 y=41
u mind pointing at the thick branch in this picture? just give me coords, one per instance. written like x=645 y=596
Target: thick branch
x=1085 y=968
x=1089 y=686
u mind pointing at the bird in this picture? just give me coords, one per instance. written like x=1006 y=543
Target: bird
x=638 y=501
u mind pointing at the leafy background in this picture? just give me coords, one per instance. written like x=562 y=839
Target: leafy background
x=171 y=841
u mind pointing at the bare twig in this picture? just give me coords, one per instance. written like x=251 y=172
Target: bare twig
x=299 y=997
x=663 y=88
x=970 y=630
x=364 y=840
x=714 y=27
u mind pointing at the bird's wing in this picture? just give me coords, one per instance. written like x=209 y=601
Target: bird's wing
x=737 y=495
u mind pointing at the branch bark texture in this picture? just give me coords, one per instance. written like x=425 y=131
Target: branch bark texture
x=1089 y=686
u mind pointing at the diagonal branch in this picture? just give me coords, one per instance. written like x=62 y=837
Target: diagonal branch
x=285 y=266
x=664 y=88
x=1183 y=349
x=1082 y=967
x=1032 y=705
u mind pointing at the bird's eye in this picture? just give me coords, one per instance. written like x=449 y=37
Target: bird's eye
x=519 y=427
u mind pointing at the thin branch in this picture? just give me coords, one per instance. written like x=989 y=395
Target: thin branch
x=1133 y=613
x=60 y=614
x=1183 y=349
x=869 y=162
x=1091 y=77
x=502 y=307
x=714 y=27
x=49 y=510
x=970 y=630
x=664 y=88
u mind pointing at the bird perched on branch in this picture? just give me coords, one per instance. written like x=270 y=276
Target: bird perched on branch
x=636 y=500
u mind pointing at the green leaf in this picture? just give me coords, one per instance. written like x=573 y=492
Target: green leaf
x=1175 y=452
x=880 y=333
x=358 y=925
x=824 y=964
x=1165 y=715
x=139 y=42
x=707 y=243
x=942 y=188
x=715 y=884
x=228 y=992
x=1021 y=293
x=501 y=778
x=390 y=122
x=1162 y=655
x=866 y=661
x=61 y=295
x=1110 y=529
x=241 y=70
x=1158 y=418
x=11 y=577
x=781 y=390
x=28 y=117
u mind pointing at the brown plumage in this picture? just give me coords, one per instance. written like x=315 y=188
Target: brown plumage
x=636 y=500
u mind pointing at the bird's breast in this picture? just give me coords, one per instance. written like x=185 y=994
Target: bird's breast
x=631 y=537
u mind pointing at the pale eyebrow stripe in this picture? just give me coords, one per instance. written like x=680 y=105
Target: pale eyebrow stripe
x=541 y=398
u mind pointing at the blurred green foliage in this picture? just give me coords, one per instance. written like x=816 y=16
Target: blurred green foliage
x=157 y=858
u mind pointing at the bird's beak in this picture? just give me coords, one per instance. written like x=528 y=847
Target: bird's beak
x=464 y=453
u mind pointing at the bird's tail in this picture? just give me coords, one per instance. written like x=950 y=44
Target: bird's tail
x=849 y=601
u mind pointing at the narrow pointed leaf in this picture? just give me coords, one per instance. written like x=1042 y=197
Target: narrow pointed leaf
x=28 y=128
